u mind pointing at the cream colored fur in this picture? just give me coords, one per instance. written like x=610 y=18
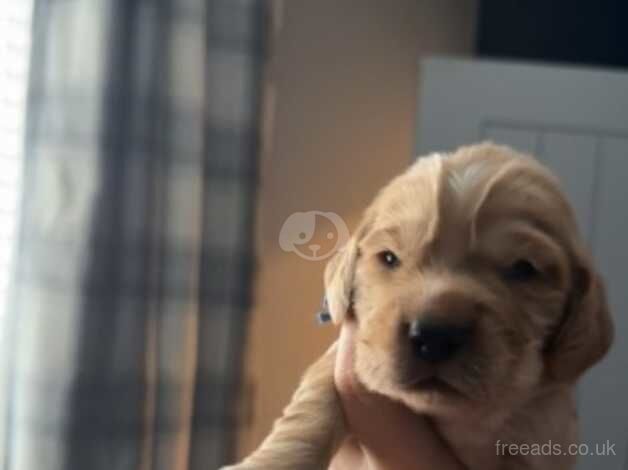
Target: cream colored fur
x=456 y=223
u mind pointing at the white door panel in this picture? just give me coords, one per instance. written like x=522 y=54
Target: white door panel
x=523 y=139
x=576 y=122
x=573 y=158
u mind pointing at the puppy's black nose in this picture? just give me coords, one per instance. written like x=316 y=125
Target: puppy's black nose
x=437 y=342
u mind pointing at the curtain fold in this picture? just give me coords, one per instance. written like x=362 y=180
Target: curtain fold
x=129 y=299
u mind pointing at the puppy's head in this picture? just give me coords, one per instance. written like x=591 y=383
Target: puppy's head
x=470 y=285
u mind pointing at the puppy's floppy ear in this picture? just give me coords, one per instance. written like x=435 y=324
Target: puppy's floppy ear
x=586 y=330
x=340 y=274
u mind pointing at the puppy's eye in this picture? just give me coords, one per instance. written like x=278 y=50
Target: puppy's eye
x=389 y=259
x=521 y=270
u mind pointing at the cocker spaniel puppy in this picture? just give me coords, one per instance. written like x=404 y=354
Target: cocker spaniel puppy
x=477 y=306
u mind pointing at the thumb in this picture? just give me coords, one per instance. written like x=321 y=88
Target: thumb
x=346 y=380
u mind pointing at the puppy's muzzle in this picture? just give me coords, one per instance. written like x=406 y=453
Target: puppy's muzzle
x=437 y=342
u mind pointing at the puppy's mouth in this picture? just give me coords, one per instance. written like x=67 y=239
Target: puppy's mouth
x=433 y=385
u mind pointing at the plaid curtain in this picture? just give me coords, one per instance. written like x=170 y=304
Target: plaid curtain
x=130 y=291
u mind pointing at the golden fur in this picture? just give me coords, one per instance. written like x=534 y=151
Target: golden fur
x=456 y=222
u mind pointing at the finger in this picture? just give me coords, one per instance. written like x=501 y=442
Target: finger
x=349 y=457
x=344 y=372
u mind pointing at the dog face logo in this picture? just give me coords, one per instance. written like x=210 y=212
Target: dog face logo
x=313 y=235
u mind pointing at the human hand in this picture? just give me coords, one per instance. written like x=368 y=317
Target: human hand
x=384 y=435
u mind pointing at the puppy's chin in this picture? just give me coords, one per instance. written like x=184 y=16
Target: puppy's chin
x=425 y=389
x=444 y=392
x=432 y=396
x=448 y=395
x=436 y=397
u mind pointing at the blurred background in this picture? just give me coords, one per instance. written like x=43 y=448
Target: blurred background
x=174 y=175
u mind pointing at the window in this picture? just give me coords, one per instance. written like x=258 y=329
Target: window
x=15 y=33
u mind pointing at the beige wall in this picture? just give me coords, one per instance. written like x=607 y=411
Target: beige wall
x=343 y=83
